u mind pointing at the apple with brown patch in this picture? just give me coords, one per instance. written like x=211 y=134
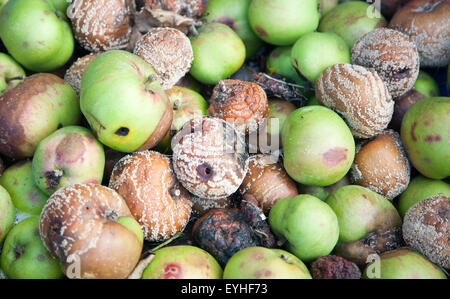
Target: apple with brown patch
x=68 y=156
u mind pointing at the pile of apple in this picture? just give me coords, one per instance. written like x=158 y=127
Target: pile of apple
x=100 y=101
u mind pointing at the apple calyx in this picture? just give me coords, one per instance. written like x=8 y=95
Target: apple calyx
x=53 y=178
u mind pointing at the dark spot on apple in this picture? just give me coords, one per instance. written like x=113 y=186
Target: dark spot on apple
x=25 y=44
x=413 y=127
x=401 y=74
x=226 y=21
x=261 y=31
x=205 y=171
x=431 y=138
x=365 y=196
x=41 y=258
x=426 y=123
x=122 y=131
x=335 y=156
x=426 y=160
x=18 y=251
x=173 y=271
x=277 y=54
x=52 y=178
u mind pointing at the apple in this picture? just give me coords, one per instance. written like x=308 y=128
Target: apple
x=2 y=3
x=218 y=53
x=61 y=5
x=32 y=110
x=7 y=213
x=322 y=192
x=36 y=34
x=318 y=146
x=24 y=255
x=18 y=180
x=131 y=224
x=186 y=104
x=11 y=73
x=402 y=263
x=123 y=102
x=265 y=263
x=351 y=20
x=234 y=14
x=279 y=62
x=426 y=85
x=283 y=22
x=182 y=262
x=68 y=156
x=309 y=226
x=368 y=223
x=424 y=134
x=326 y=5
x=316 y=51
x=421 y=188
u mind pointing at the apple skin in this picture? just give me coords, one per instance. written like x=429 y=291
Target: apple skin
x=316 y=51
x=186 y=104
x=318 y=146
x=282 y=22
x=34 y=109
x=218 y=53
x=350 y=20
x=424 y=136
x=123 y=102
x=36 y=34
x=2 y=3
x=309 y=226
x=7 y=213
x=323 y=192
x=326 y=5
x=234 y=14
x=131 y=224
x=404 y=263
x=182 y=262
x=24 y=255
x=265 y=263
x=426 y=85
x=68 y=156
x=11 y=73
x=421 y=188
x=18 y=180
x=279 y=61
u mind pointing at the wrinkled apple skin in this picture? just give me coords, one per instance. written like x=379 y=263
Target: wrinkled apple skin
x=404 y=263
x=11 y=73
x=182 y=262
x=34 y=109
x=425 y=134
x=68 y=156
x=309 y=226
x=234 y=14
x=7 y=213
x=218 y=53
x=18 y=180
x=282 y=22
x=318 y=146
x=421 y=188
x=350 y=21
x=123 y=102
x=36 y=34
x=264 y=263
x=24 y=255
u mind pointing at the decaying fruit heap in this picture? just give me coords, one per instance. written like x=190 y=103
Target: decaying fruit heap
x=224 y=139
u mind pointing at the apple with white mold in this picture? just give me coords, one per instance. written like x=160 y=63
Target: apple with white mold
x=67 y=156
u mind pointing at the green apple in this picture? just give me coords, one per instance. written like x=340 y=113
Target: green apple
x=265 y=263
x=11 y=73
x=326 y=5
x=316 y=51
x=363 y=214
x=2 y=3
x=7 y=213
x=32 y=110
x=18 y=180
x=283 y=22
x=61 y=5
x=186 y=104
x=309 y=226
x=402 y=263
x=36 y=34
x=351 y=20
x=279 y=62
x=133 y=226
x=421 y=188
x=68 y=156
x=218 y=53
x=182 y=262
x=322 y=192
x=425 y=136
x=24 y=255
x=234 y=14
x=318 y=146
x=123 y=102
x=426 y=85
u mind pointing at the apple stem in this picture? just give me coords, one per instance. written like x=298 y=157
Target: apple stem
x=176 y=236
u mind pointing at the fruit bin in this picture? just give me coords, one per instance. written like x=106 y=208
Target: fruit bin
x=224 y=139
